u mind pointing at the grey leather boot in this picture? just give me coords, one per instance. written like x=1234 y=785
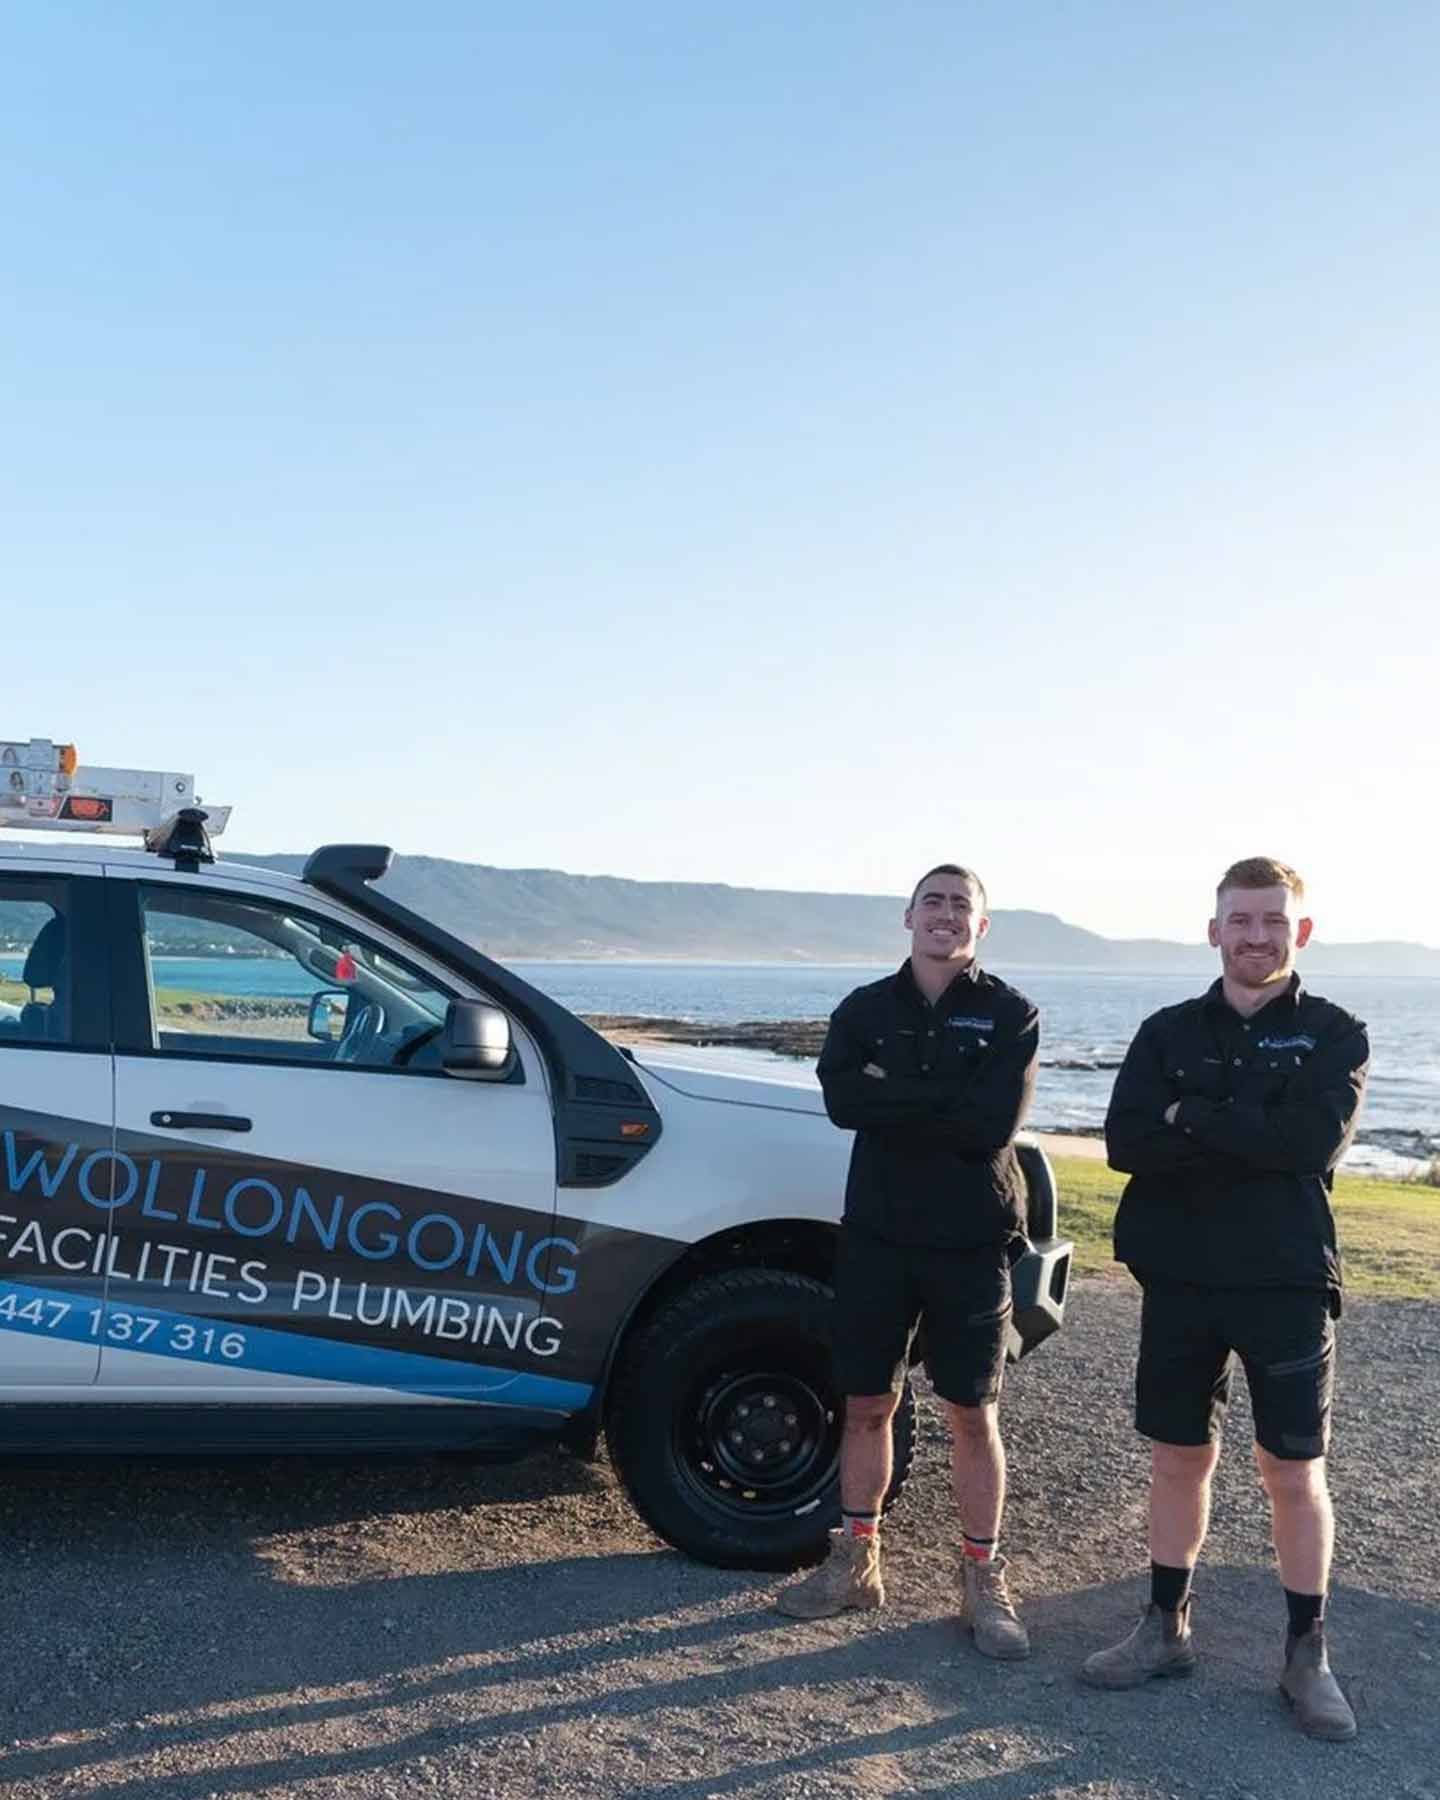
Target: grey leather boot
x=1159 y=1645
x=1313 y=1693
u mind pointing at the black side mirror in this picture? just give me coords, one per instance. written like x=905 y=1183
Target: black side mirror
x=476 y=1043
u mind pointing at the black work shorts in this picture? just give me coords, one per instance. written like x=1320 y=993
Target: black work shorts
x=959 y=1300
x=1284 y=1336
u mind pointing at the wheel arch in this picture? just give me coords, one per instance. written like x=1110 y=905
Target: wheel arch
x=798 y=1246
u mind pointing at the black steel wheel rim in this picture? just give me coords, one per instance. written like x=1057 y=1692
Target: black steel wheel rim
x=757 y=1440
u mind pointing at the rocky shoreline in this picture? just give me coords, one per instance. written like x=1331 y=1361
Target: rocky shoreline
x=785 y=1037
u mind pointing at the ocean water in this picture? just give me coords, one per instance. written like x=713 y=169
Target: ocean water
x=1087 y=1017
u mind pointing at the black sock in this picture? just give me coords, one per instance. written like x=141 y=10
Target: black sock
x=1169 y=1588
x=1305 y=1610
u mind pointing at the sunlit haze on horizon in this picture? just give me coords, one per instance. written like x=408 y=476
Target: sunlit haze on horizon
x=779 y=446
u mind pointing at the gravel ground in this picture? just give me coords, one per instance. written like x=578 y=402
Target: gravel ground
x=428 y=1627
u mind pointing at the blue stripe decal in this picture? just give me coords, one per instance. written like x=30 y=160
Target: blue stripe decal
x=225 y=1345
x=51 y=1314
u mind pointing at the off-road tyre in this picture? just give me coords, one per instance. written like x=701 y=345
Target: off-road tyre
x=724 y=1421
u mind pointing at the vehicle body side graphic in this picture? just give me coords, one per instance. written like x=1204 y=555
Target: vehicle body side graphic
x=460 y=1296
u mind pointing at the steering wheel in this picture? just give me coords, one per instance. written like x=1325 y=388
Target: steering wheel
x=362 y=1032
x=415 y=1038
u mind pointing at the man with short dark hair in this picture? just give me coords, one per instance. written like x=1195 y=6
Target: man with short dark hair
x=933 y=1069
x=1230 y=1114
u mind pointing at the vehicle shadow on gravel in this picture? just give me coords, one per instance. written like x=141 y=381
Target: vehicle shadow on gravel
x=53 y=1500
x=207 y=1644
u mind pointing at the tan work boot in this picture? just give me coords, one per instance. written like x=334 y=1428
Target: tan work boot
x=849 y=1576
x=1159 y=1645
x=990 y=1610
x=1313 y=1693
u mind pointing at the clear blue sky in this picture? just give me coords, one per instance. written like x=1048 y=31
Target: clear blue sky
x=775 y=443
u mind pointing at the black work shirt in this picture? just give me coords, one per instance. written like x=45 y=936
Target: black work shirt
x=1236 y=1193
x=933 y=1162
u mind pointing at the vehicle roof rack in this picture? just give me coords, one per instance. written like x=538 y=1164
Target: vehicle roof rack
x=185 y=838
x=44 y=787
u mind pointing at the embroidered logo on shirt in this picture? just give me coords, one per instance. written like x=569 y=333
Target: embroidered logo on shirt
x=958 y=1022
x=1291 y=1043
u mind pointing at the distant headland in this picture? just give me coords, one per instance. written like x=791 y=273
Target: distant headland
x=546 y=913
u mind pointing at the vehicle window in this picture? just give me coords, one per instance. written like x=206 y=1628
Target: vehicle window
x=36 y=965
x=230 y=976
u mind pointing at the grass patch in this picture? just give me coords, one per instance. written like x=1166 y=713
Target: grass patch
x=184 y=1003
x=1389 y=1230
x=1089 y=1194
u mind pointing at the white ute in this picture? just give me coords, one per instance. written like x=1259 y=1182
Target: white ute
x=285 y=1166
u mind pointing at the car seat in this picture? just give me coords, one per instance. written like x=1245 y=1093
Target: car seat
x=45 y=967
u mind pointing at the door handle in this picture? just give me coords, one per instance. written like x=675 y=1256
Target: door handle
x=194 y=1121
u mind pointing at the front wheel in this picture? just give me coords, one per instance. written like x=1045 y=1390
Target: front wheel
x=724 y=1421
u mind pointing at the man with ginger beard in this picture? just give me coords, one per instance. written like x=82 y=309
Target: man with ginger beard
x=1230 y=1114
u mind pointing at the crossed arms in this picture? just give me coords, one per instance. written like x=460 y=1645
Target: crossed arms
x=980 y=1109
x=1154 y=1128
